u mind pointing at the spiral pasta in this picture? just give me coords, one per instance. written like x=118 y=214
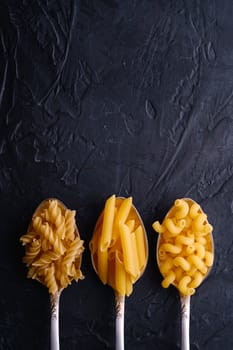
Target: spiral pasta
x=53 y=248
x=185 y=246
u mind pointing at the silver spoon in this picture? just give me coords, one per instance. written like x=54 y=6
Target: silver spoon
x=185 y=300
x=119 y=299
x=54 y=298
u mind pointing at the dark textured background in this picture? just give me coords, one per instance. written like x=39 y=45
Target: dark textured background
x=132 y=97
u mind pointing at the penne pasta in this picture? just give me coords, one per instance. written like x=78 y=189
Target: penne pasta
x=120 y=217
x=118 y=246
x=120 y=276
x=128 y=285
x=131 y=224
x=129 y=251
x=106 y=234
x=102 y=265
x=140 y=245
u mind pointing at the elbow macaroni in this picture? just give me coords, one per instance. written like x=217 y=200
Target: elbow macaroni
x=120 y=262
x=185 y=246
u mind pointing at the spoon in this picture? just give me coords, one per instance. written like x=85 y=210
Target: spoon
x=55 y=298
x=185 y=299
x=120 y=299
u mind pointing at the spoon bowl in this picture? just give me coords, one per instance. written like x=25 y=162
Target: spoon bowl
x=185 y=298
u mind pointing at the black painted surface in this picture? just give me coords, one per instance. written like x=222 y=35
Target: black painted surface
x=127 y=97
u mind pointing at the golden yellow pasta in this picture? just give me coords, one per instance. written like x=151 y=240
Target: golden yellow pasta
x=121 y=257
x=108 y=218
x=183 y=286
x=185 y=246
x=53 y=247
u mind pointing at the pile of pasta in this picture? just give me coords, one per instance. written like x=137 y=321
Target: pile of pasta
x=119 y=246
x=185 y=246
x=53 y=247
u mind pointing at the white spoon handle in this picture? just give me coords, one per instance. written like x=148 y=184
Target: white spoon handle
x=120 y=312
x=54 y=331
x=185 y=319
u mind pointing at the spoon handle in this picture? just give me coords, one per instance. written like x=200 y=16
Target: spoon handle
x=185 y=318
x=54 y=331
x=120 y=312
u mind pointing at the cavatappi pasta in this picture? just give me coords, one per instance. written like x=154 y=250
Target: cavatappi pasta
x=53 y=247
x=118 y=246
x=185 y=246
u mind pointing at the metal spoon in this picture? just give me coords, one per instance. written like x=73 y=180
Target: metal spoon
x=119 y=299
x=54 y=298
x=185 y=300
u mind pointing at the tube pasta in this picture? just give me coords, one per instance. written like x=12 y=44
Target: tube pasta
x=53 y=247
x=173 y=228
x=194 y=210
x=102 y=265
x=182 y=208
x=129 y=251
x=209 y=258
x=169 y=279
x=121 y=215
x=199 y=222
x=170 y=248
x=185 y=247
x=140 y=244
x=120 y=276
x=166 y=265
x=158 y=227
x=106 y=235
x=198 y=278
x=131 y=225
x=198 y=263
x=200 y=250
x=182 y=262
x=121 y=262
x=182 y=239
x=183 y=286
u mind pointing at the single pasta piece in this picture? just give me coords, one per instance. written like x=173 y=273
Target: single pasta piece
x=102 y=265
x=106 y=235
x=183 y=286
x=198 y=278
x=158 y=227
x=173 y=228
x=185 y=246
x=182 y=208
x=186 y=240
x=166 y=265
x=182 y=262
x=170 y=248
x=53 y=248
x=194 y=210
x=169 y=279
x=120 y=255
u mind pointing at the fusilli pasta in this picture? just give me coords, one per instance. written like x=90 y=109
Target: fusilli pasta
x=53 y=247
